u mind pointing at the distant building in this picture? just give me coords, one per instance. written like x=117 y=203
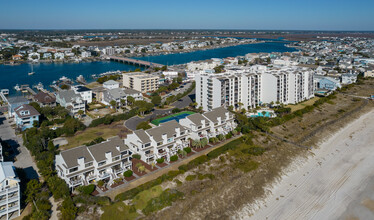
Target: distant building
x=348 y=78
x=10 y=194
x=85 y=54
x=111 y=84
x=369 y=73
x=325 y=82
x=25 y=116
x=142 y=82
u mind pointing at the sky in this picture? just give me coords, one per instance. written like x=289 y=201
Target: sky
x=357 y=15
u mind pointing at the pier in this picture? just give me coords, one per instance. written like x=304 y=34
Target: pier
x=135 y=62
x=32 y=92
x=56 y=88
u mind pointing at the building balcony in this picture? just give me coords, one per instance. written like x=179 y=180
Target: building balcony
x=117 y=171
x=104 y=175
x=90 y=177
x=75 y=182
x=8 y=189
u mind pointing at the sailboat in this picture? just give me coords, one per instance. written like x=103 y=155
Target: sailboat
x=32 y=70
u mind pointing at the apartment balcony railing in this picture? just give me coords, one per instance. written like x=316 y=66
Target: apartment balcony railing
x=104 y=175
x=8 y=189
x=90 y=177
x=75 y=182
x=117 y=171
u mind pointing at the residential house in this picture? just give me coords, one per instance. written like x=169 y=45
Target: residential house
x=348 y=78
x=163 y=141
x=111 y=84
x=45 y=99
x=84 y=92
x=84 y=165
x=10 y=193
x=325 y=82
x=113 y=95
x=14 y=102
x=25 y=116
x=71 y=101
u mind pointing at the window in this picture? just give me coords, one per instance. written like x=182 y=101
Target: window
x=73 y=169
x=88 y=164
x=102 y=163
x=116 y=158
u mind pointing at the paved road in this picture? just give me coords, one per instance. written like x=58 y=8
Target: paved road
x=185 y=101
x=22 y=155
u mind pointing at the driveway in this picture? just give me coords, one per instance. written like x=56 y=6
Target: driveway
x=21 y=156
x=185 y=101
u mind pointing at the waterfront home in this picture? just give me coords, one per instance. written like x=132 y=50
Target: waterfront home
x=45 y=99
x=163 y=141
x=47 y=56
x=111 y=84
x=34 y=56
x=84 y=165
x=71 y=101
x=17 y=57
x=137 y=95
x=84 y=92
x=14 y=102
x=10 y=194
x=26 y=116
x=59 y=56
x=210 y=124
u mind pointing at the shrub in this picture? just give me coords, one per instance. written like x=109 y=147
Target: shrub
x=228 y=135
x=178 y=182
x=187 y=149
x=86 y=190
x=100 y=183
x=204 y=176
x=127 y=173
x=256 y=151
x=174 y=158
x=166 y=199
x=136 y=156
x=160 y=160
x=190 y=177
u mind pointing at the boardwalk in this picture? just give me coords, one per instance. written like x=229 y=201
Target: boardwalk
x=135 y=62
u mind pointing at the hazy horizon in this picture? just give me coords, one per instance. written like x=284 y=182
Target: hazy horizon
x=319 y=15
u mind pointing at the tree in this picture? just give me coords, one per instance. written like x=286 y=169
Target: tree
x=164 y=68
x=141 y=169
x=33 y=188
x=156 y=100
x=80 y=112
x=130 y=100
x=113 y=104
x=123 y=102
x=143 y=125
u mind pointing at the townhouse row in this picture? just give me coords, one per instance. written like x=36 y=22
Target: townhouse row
x=251 y=87
x=105 y=161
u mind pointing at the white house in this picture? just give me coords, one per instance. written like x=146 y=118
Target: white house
x=84 y=92
x=111 y=84
x=70 y=100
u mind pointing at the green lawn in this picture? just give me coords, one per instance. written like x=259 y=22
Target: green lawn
x=89 y=134
x=158 y=121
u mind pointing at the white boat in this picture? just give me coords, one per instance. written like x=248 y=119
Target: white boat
x=32 y=70
x=17 y=88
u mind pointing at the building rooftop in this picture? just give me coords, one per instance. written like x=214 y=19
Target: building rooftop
x=26 y=110
x=71 y=156
x=44 y=98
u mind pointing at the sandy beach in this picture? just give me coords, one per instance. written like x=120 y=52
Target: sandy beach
x=335 y=183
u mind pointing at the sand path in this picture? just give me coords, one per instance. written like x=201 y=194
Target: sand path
x=325 y=184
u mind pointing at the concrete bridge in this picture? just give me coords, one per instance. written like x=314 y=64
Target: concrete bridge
x=135 y=62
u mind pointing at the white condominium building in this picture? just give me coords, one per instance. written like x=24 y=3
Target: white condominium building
x=83 y=165
x=248 y=88
x=142 y=82
x=162 y=141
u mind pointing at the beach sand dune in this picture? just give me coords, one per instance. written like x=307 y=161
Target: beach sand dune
x=327 y=183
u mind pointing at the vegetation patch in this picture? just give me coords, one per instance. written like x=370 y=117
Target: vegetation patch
x=119 y=210
x=140 y=201
x=166 y=198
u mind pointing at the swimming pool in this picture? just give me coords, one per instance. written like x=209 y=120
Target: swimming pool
x=176 y=117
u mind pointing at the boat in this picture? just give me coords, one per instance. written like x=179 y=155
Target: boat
x=39 y=86
x=17 y=88
x=32 y=70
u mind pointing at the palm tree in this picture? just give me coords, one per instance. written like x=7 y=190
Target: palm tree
x=80 y=113
x=113 y=104
x=141 y=169
x=153 y=164
x=138 y=165
x=130 y=100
